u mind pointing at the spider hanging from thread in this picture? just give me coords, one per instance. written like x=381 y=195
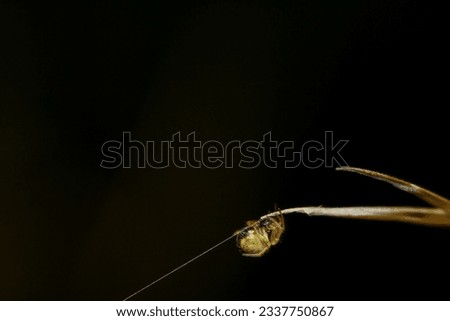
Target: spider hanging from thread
x=258 y=236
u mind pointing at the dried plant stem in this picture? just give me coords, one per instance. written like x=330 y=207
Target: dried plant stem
x=428 y=196
x=438 y=215
x=406 y=214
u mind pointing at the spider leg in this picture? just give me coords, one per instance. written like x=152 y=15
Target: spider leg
x=259 y=254
x=275 y=233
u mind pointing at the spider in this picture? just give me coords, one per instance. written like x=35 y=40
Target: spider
x=258 y=236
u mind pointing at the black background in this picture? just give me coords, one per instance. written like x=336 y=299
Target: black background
x=74 y=75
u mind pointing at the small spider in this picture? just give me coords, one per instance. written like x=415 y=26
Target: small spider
x=258 y=236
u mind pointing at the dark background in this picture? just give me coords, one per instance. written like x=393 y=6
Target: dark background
x=73 y=76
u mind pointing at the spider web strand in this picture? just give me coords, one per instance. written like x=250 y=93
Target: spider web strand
x=179 y=267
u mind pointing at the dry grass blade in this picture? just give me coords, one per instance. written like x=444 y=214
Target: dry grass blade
x=439 y=215
x=422 y=193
